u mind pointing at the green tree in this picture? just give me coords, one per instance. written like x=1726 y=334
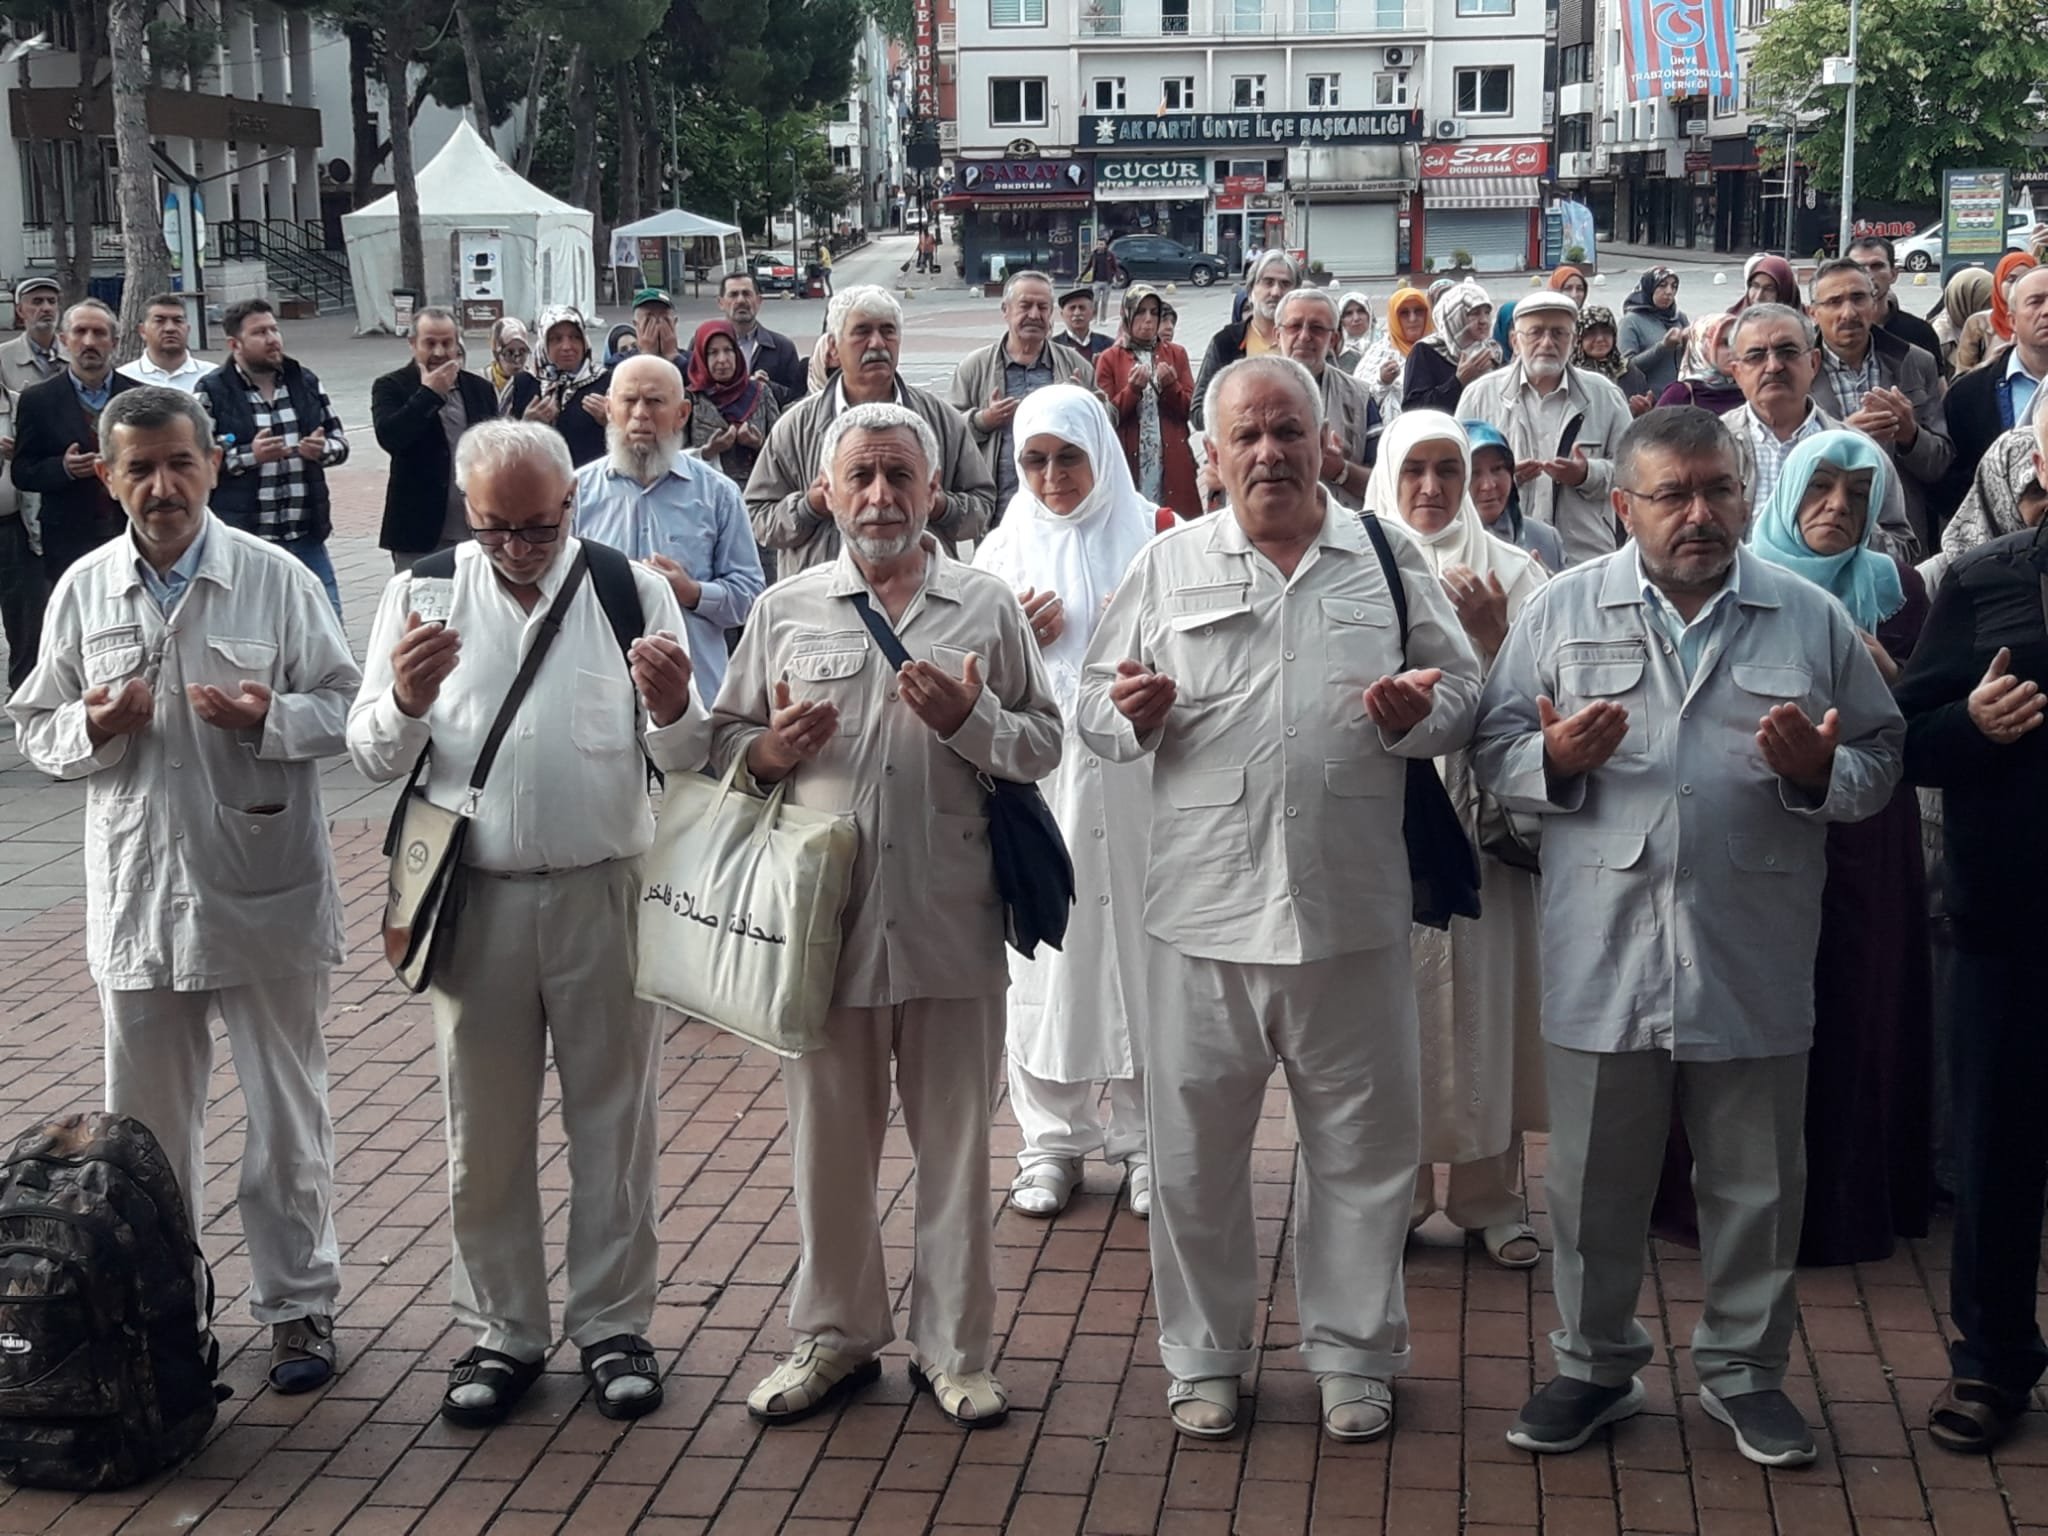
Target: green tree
x=1943 y=83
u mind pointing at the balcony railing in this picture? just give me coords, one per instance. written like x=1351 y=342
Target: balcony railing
x=39 y=243
x=1250 y=18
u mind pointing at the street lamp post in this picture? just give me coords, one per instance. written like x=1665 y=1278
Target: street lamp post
x=1849 y=137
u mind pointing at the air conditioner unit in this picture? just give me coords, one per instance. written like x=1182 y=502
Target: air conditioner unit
x=1450 y=128
x=1398 y=58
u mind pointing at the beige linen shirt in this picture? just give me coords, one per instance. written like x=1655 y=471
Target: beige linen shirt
x=922 y=919
x=1276 y=837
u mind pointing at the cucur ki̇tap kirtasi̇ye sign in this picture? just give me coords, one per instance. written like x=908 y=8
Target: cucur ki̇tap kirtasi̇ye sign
x=1223 y=130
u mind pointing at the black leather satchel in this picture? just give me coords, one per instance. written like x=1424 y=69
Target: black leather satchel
x=1441 y=864
x=1034 y=872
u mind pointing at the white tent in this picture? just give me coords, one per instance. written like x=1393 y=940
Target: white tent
x=472 y=202
x=717 y=248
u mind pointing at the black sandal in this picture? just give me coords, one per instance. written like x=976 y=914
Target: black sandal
x=632 y=1357
x=510 y=1378
x=1972 y=1417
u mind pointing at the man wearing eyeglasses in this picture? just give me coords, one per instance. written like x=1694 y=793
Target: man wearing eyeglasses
x=194 y=676
x=1688 y=720
x=1776 y=362
x=541 y=954
x=1306 y=323
x=1885 y=388
x=1561 y=421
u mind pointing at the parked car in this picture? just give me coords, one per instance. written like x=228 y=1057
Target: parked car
x=1157 y=258
x=1922 y=252
x=774 y=272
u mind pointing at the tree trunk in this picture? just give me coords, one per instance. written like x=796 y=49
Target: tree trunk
x=653 y=137
x=533 y=89
x=144 y=261
x=583 y=112
x=412 y=265
x=627 y=103
x=74 y=268
x=473 y=62
x=362 y=63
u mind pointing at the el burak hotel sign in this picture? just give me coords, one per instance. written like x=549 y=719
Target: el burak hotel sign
x=1229 y=130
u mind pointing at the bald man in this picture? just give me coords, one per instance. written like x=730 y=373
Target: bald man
x=678 y=516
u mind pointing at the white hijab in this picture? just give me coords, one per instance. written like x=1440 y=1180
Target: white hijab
x=1081 y=556
x=1464 y=540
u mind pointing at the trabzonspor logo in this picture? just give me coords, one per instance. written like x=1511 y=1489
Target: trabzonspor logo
x=1679 y=23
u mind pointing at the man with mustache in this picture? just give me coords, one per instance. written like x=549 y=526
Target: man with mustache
x=675 y=514
x=990 y=381
x=1886 y=388
x=1306 y=321
x=1687 y=719
x=35 y=354
x=195 y=678
x=786 y=494
x=56 y=441
x=1776 y=361
x=1271 y=276
x=1257 y=656
x=1534 y=402
x=812 y=702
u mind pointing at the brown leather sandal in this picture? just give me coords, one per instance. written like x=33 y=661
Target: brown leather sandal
x=302 y=1354
x=1971 y=1417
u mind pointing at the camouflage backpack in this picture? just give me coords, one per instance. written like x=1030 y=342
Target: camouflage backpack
x=108 y=1372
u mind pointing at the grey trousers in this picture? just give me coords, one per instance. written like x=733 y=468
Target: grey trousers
x=1610 y=1114
x=159 y=1068
x=536 y=961
x=947 y=1054
x=1344 y=1032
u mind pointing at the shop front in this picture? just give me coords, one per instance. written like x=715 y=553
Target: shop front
x=1484 y=200
x=1735 y=166
x=1152 y=195
x=1251 y=215
x=1347 y=206
x=1021 y=212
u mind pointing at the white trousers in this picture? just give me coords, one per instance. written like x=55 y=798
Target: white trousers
x=1344 y=1032
x=537 y=961
x=159 y=1062
x=947 y=1053
x=1063 y=1121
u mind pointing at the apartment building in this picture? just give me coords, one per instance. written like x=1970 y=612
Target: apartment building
x=1373 y=135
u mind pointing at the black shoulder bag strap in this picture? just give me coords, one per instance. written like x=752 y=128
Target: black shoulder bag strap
x=550 y=626
x=1391 y=569
x=878 y=626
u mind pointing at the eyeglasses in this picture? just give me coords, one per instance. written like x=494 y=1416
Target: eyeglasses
x=1785 y=355
x=1307 y=328
x=533 y=535
x=1676 y=500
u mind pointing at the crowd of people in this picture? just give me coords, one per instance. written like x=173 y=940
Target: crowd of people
x=1722 y=642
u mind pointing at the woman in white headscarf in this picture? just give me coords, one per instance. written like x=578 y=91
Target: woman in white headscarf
x=1478 y=987
x=1456 y=352
x=1068 y=535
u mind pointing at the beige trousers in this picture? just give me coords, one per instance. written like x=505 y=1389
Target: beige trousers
x=159 y=1065
x=1344 y=1032
x=536 y=961
x=948 y=1052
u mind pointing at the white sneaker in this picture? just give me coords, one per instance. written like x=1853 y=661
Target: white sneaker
x=1141 y=1190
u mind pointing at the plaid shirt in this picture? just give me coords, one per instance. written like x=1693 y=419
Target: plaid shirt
x=281 y=511
x=1772 y=454
x=1850 y=384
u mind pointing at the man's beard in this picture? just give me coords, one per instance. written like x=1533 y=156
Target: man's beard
x=1544 y=367
x=1665 y=573
x=644 y=462
x=870 y=547
x=1267 y=314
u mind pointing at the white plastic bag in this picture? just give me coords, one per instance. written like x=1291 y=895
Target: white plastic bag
x=740 y=906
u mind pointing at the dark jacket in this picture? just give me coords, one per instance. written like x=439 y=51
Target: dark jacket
x=1431 y=382
x=1225 y=348
x=776 y=355
x=226 y=397
x=1995 y=834
x=1975 y=409
x=78 y=515
x=407 y=418
x=1910 y=328
x=583 y=432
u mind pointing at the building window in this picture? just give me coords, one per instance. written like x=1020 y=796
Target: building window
x=1109 y=94
x=1173 y=17
x=1724 y=106
x=1390 y=88
x=1484 y=92
x=1016 y=13
x=1248 y=15
x=1575 y=64
x=1177 y=93
x=1017 y=103
x=1102 y=18
x=1247 y=91
x=842 y=157
x=1325 y=90
x=1319 y=15
x=1486 y=7
x=1574 y=135
x=1758 y=12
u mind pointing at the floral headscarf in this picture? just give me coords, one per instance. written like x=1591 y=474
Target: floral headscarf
x=560 y=380
x=1454 y=311
x=1592 y=318
x=506 y=335
x=1992 y=509
x=1699 y=367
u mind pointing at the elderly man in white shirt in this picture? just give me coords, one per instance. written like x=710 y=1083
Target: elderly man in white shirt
x=166 y=359
x=194 y=676
x=549 y=890
x=675 y=514
x=1258 y=657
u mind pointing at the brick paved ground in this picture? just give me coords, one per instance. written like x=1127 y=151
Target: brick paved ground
x=1087 y=1448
